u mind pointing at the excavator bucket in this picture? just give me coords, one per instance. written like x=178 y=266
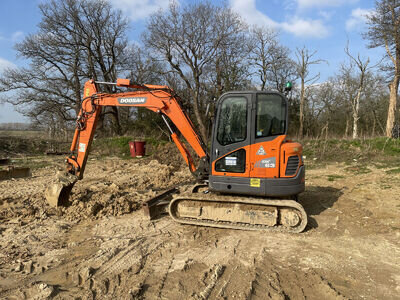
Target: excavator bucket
x=57 y=194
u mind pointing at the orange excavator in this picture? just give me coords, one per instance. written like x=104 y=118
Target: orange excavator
x=249 y=179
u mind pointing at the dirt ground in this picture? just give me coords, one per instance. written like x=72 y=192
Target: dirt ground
x=103 y=247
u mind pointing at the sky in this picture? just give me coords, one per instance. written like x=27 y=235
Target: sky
x=323 y=26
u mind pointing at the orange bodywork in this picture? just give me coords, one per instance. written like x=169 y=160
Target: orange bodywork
x=277 y=148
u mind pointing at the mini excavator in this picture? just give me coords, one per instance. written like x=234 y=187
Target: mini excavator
x=252 y=173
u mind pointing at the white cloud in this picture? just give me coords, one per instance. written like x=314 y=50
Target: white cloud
x=326 y=15
x=17 y=36
x=358 y=18
x=297 y=26
x=323 y=3
x=4 y=64
x=248 y=11
x=139 y=9
x=306 y=28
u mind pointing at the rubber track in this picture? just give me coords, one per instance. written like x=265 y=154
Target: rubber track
x=234 y=199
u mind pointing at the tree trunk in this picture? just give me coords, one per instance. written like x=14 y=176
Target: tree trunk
x=394 y=87
x=77 y=86
x=373 y=124
x=356 y=109
x=196 y=109
x=116 y=126
x=346 y=131
x=302 y=96
x=326 y=130
x=219 y=87
x=263 y=78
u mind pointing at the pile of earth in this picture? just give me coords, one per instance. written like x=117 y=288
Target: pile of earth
x=111 y=187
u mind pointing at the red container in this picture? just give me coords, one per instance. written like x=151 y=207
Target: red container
x=137 y=148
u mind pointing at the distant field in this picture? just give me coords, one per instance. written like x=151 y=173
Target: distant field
x=14 y=143
x=23 y=133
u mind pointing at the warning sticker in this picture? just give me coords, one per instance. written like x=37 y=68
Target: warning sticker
x=261 y=151
x=87 y=92
x=82 y=147
x=255 y=182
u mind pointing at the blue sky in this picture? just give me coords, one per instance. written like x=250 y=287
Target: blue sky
x=321 y=25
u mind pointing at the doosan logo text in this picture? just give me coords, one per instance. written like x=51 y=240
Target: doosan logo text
x=132 y=100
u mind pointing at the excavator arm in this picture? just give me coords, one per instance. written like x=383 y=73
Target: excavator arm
x=159 y=99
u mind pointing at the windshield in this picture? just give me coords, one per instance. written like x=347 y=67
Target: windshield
x=232 y=124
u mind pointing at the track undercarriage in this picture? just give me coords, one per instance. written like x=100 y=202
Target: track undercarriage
x=229 y=211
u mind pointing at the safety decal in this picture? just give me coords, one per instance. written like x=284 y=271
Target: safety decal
x=255 y=182
x=87 y=92
x=266 y=163
x=82 y=147
x=261 y=151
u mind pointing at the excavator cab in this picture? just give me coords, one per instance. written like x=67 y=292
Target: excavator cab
x=250 y=154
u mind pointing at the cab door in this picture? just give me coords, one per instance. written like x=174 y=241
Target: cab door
x=270 y=127
x=231 y=136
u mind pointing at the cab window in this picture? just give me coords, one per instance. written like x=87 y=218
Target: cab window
x=233 y=163
x=271 y=115
x=232 y=124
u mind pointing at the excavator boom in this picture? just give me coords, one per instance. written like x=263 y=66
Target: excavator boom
x=157 y=98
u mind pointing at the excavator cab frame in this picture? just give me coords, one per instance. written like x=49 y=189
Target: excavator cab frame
x=252 y=158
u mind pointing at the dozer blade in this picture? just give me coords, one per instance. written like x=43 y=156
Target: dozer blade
x=57 y=194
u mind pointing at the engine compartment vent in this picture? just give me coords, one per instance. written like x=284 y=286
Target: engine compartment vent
x=292 y=165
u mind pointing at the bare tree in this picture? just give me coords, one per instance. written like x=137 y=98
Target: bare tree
x=373 y=112
x=189 y=38
x=270 y=60
x=362 y=65
x=264 y=49
x=384 y=31
x=348 y=83
x=325 y=104
x=282 y=71
x=76 y=40
x=142 y=69
x=230 y=69
x=305 y=59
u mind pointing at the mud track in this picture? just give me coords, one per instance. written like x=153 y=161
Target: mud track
x=103 y=247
